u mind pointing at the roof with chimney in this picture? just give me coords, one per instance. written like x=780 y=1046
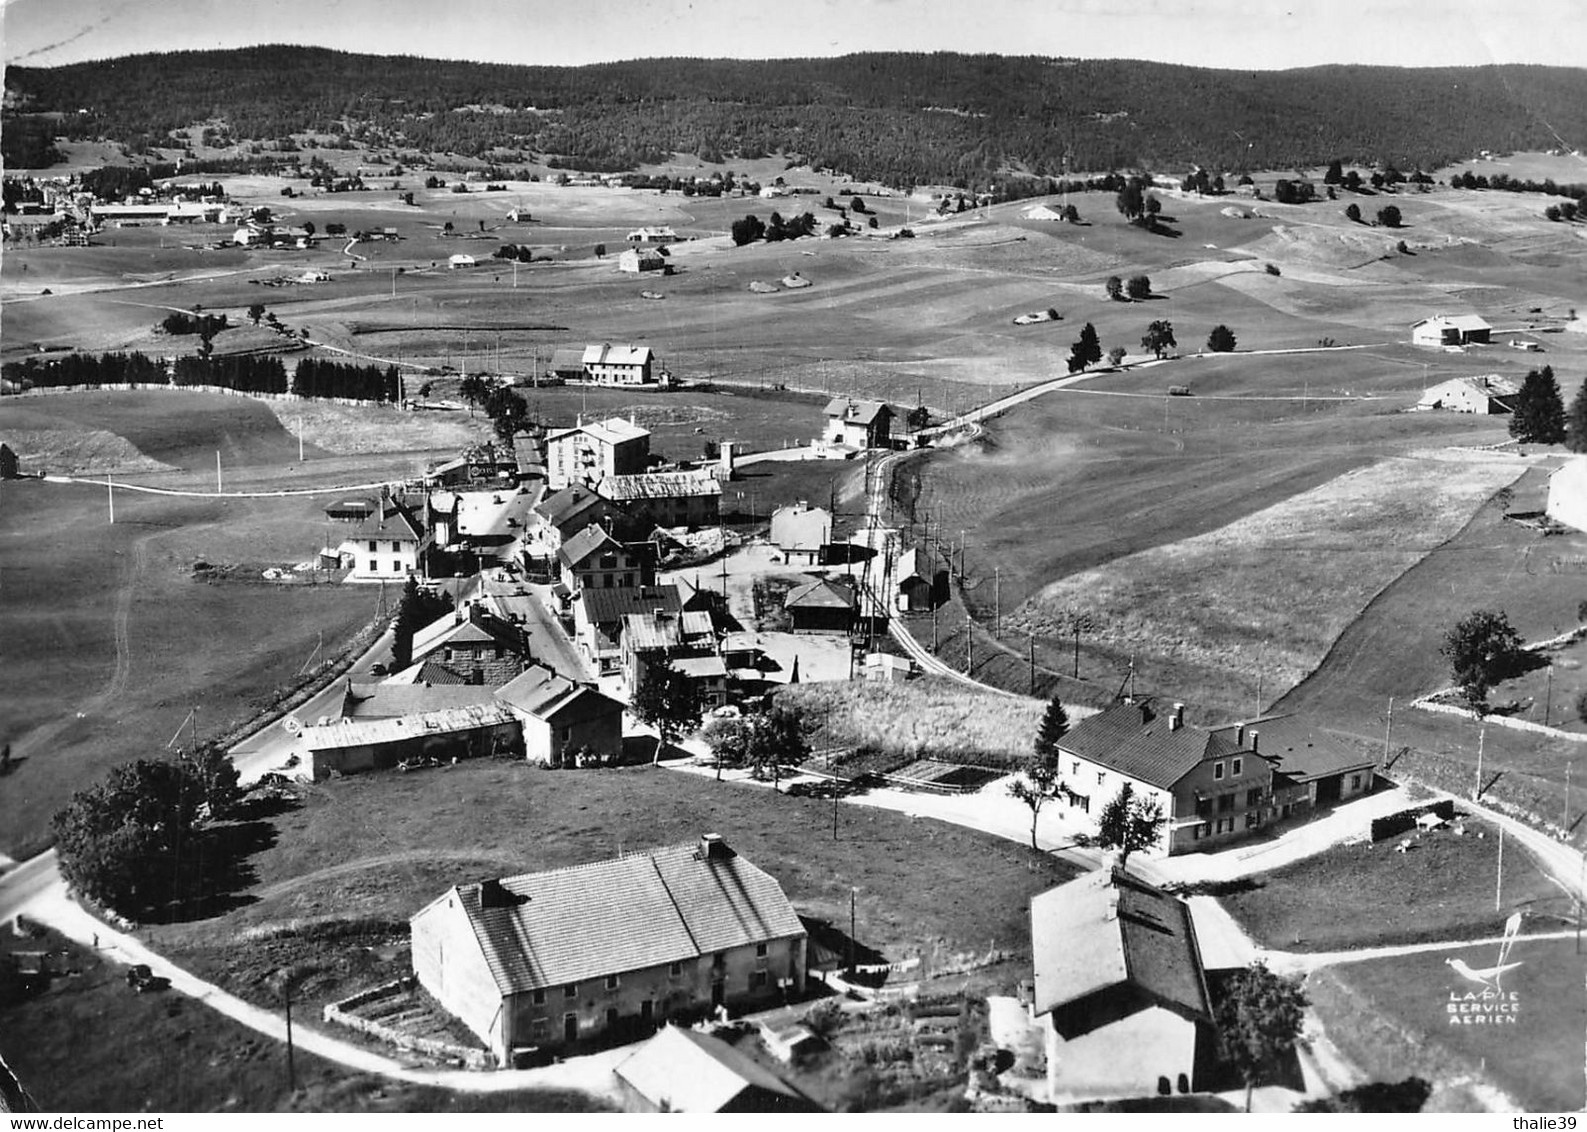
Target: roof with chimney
x=562 y=507
x=610 y=606
x=668 y=905
x=819 y=594
x=857 y=412
x=660 y=485
x=609 y=355
x=1110 y=933
x=590 y=541
x=389 y=520
x=1142 y=743
x=1298 y=748
x=544 y=693
x=646 y=631
x=613 y=430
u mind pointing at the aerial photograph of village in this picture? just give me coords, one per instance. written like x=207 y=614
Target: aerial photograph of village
x=849 y=557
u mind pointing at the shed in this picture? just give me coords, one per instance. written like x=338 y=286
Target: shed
x=682 y=1070
x=821 y=606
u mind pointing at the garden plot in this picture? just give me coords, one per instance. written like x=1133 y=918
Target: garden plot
x=1267 y=595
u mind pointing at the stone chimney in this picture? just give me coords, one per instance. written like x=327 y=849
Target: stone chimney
x=1177 y=720
x=713 y=848
x=1255 y=737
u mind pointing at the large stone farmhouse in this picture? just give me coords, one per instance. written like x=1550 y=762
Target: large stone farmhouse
x=1120 y=989
x=610 y=949
x=1214 y=786
x=619 y=365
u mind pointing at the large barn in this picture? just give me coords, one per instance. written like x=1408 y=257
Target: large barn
x=614 y=948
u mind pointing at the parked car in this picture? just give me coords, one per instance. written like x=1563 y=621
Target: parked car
x=141 y=979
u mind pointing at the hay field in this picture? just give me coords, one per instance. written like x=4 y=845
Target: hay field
x=1270 y=593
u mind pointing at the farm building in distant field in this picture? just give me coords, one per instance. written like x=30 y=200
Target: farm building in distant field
x=652 y=236
x=637 y=260
x=801 y=532
x=1487 y=394
x=859 y=424
x=821 y=606
x=1118 y=968
x=670 y=499
x=614 y=948
x=1567 y=494
x=1042 y=212
x=1451 y=330
x=589 y=453
x=682 y=1070
x=1214 y=786
x=619 y=365
x=461 y=260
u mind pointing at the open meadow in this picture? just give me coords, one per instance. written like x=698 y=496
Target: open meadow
x=338 y=876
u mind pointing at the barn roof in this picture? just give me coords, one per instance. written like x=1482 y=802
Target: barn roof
x=682 y=1070
x=1139 y=743
x=368 y=732
x=609 y=355
x=819 y=594
x=663 y=906
x=1114 y=932
x=659 y=485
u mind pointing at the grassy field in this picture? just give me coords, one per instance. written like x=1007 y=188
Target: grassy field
x=167 y=1053
x=333 y=891
x=1392 y=1015
x=1266 y=596
x=1443 y=888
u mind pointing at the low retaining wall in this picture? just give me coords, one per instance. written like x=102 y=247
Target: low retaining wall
x=167 y=387
x=1429 y=701
x=337 y=1012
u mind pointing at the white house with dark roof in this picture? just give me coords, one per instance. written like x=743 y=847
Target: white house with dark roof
x=593 y=559
x=609 y=949
x=801 y=531
x=589 y=453
x=1487 y=395
x=1119 y=988
x=859 y=424
x=387 y=546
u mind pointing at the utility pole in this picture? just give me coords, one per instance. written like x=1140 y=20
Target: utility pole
x=1482 y=734
x=217 y=471
x=1498 y=873
x=969 y=636
x=1548 y=696
x=1075 y=625
x=933 y=626
x=997 y=600
x=1387 y=727
x=110 y=493
x=1565 y=824
x=193 y=726
x=852 y=927
x=1031 y=636
x=292 y=1072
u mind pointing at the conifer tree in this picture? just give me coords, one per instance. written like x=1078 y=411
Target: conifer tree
x=1539 y=416
x=1576 y=422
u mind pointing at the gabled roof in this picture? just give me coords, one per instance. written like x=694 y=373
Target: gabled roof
x=392 y=701
x=363 y=733
x=588 y=542
x=457 y=629
x=642 y=631
x=1136 y=741
x=543 y=693
x=567 y=358
x=1487 y=385
x=563 y=506
x=493 y=673
x=1298 y=748
x=389 y=520
x=858 y=412
x=819 y=594
x=609 y=606
x=1113 y=932
x=610 y=355
x=686 y=1071
x=613 y=430
x=1462 y=322
x=660 y=485
x=909 y=567
x=642 y=910
x=798 y=526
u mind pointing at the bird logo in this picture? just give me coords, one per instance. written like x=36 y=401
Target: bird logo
x=1490 y=977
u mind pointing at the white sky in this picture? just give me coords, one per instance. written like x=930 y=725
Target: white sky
x=1236 y=34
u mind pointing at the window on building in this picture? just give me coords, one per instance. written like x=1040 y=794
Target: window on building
x=1355 y=782
x=571 y=991
x=611 y=1017
x=719 y=960
x=1253 y=797
x=1237 y=765
x=396 y=567
x=611 y=982
x=372 y=546
x=374 y=567
x=1100 y=776
x=1225 y=803
x=628 y=579
x=1252 y=819
x=1074 y=766
x=675 y=969
x=540 y=1029
x=759 y=980
x=1217 y=770
x=1203 y=807
x=760 y=950
x=539 y=997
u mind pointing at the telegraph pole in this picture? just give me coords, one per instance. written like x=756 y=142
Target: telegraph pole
x=997 y=600
x=1482 y=734
x=1032 y=641
x=969 y=635
x=217 y=471
x=110 y=493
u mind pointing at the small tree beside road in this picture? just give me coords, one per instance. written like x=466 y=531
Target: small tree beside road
x=1129 y=824
x=1159 y=338
x=1258 y=1018
x=670 y=702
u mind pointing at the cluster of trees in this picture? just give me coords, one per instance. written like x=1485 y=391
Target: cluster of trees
x=1294 y=192
x=1137 y=206
x=877 y=116
x=316 y=378
x=1538 y=415
x=246 y=373
x=1503 y=182
x=419 y=606
x=140 y=841
x=763 y=742
x=522 y=253
x=1137 y=288
x=86 y=369
x=204 y=325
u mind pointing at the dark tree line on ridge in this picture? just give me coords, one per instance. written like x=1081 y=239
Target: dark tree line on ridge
x=894 y=117
x=246 y=373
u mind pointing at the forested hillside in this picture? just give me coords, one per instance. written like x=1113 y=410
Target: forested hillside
x=898 y=118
